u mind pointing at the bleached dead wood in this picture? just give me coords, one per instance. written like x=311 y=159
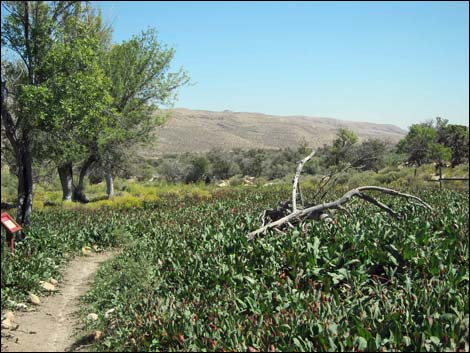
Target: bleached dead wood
x=296 y=184
x=284 y=214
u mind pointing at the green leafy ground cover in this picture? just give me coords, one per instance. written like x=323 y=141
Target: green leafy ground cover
x=187 y=278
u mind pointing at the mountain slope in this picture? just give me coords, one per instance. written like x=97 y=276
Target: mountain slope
x=200 y=130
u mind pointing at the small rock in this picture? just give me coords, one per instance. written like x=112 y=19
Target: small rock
x=86 y=250
x=8 y=315
x=108 y=313
x=21 y=306
x=223 y=183
x=53 y=281
x=47 y=286
x=92 y=317
x=7 y=324
x=34 y=299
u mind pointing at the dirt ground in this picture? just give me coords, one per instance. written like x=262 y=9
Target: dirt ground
x=53 y=327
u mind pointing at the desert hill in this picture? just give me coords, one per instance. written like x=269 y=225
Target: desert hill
x=201 y=130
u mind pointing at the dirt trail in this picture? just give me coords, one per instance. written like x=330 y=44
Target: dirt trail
x=53 y=327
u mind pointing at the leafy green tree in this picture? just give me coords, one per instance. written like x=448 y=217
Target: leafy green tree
x=417 y=143
x=37 y=37
x=198 y=168
x=78 y=105
x=96 y=40
x=370 y=155
x=440 y=126
x=456 y=138
x=253 y=165
x=221 y=165
x=420 y=142
x=303 y=148
x=141 y=81
x=439 y=154
x=172 y=170
x=342 y=148
x=276 y=171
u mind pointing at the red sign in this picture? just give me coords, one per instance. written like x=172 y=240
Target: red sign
x=9 y=223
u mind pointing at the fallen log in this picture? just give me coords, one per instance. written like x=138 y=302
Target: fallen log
x=288 y=214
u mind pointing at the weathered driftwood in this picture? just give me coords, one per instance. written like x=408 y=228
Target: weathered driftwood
x=287 y=214
x=296 y=184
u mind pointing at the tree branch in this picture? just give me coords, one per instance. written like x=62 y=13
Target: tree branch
x=287 y=214
x=296 y=180
x=310 y=212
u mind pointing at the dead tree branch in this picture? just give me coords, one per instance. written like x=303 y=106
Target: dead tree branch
x=315 y=211
x=296 y=181
x=288 y=214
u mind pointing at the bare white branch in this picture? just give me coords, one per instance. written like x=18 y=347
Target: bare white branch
x=296 y=180
x=283 y=215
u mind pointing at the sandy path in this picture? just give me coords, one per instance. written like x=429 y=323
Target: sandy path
x=53 y=327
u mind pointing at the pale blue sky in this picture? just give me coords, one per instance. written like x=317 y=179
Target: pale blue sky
x=398 y=62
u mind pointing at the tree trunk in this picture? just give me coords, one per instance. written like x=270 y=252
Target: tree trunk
x=109 y=183
x=79 y=192
x=24 y=162
x=25 y=187
x=66 y=180
x=440 y=176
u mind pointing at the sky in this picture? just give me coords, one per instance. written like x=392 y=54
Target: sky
x=386 y=62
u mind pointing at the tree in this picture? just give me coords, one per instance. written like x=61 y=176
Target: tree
x=30 y=33
x=417 y=143
x=370 y=155
x=78 y=103
x=139 y=71
x=440 y=126
x=342 y=148
x=303 y=147
x=439 y=154
x=252 y=164
x=420 y=142
x=91 y=39
x=222 y=166
x=197 y=170
x=456 y=138
x=171 y=170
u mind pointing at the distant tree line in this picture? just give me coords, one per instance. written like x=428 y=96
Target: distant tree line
x=437 y=142
x=273 y=164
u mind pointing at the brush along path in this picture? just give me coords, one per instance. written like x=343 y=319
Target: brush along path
x=53 y=327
